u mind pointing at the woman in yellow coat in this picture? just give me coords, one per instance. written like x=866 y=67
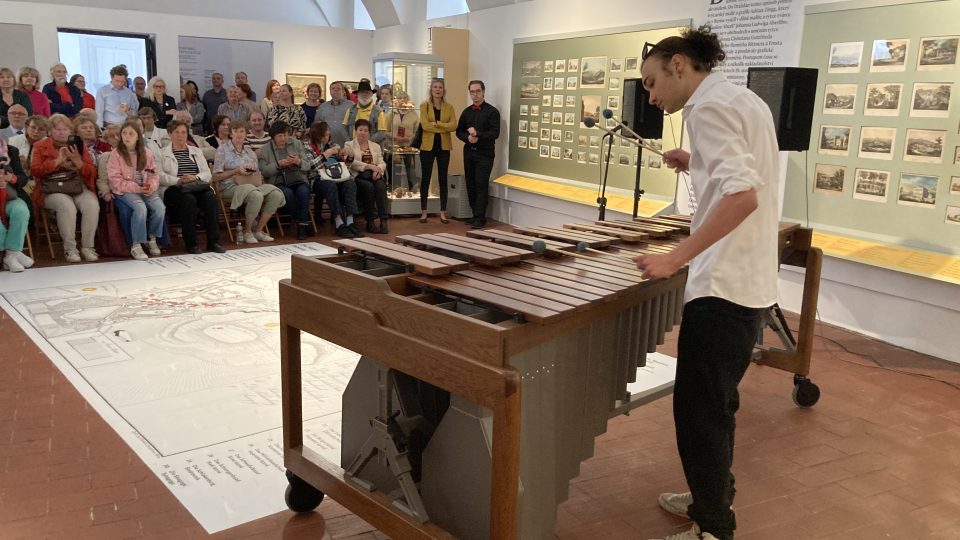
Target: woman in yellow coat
x=438 y=120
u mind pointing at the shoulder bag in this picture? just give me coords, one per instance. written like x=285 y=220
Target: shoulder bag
x=289 y=176
x=65 y=182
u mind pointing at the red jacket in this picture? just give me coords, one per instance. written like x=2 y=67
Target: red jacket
x=42 y=165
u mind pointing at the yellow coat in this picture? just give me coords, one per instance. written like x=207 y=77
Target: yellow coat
x=446 y=125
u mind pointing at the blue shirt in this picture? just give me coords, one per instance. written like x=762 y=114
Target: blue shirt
x=108 y=104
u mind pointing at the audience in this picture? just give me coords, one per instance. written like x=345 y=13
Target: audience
x=213 y=98
x=235 y=108
x=193 y=139
x=29 y=79
x=322 y=152
x=365 y=108
x=185 y=179
x=64 y=97
x=237 y=170
x=257 y=136
x=88 y=132
x=267 y=103
x=10 y=95
x=438 y=120
x=35 y=132
x=56 y=164
x=115 y=102
x=333 y=111
x=285 y=111
x=17 y=118
x=285 y=164
x=312 y=103
x=241 y=78
x=14 y=210
x=89 y=102
x=151 y=131
x=135 y=180
x=247 y=95
x=221 y=131
x=367 y=162
x=163 y=104
x=191 y=103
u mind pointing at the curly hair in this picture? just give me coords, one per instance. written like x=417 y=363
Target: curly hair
x=701 y=46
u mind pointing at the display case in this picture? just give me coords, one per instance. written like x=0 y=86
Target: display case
x=410 y=76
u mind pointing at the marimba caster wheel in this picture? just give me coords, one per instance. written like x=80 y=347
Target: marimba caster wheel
x=805 y=392
x=300 y=496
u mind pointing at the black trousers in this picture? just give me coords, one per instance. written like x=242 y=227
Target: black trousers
x=713 y=352
x=427 y=157
x=186 y=205
x=373 y=193
x=476 y=170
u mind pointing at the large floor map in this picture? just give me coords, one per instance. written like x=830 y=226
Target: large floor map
x=181 y=356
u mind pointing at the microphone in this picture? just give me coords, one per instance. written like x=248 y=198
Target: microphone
x=590 y=122
x=632 y=136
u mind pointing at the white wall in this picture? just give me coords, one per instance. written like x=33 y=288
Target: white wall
x=339 y=53
x=909 y=311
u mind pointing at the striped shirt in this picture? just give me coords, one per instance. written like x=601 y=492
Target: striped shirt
x=185 y=165
x=255 y=143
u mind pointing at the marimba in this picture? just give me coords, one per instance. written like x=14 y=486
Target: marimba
x=490 y=362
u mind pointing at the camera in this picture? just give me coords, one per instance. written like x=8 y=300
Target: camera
x=77 y=143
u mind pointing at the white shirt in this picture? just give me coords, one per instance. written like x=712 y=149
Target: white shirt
x=734 y=148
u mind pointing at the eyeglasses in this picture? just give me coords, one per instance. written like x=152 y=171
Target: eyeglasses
x=649 y=48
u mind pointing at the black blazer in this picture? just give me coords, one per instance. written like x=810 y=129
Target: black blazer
x=160 y=108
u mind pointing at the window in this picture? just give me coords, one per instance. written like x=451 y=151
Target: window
x=445 y=8
x=92 y=54
x=361 y=18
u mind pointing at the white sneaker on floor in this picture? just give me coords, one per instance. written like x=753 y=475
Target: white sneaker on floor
x=71 y=255
x=250 y=238
x=136 y=251
x=263 y=237
x=27 y=262
x=693 y=533
x=152 y=248
x=89 y=254
x=11 y=262
x=676 y=503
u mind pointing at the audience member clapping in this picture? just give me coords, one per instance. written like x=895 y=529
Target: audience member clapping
x=366 y=160
x=340 y=193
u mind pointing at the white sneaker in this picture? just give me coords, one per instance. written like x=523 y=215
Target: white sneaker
x=27 y=262
x=676 y=503
x=71 y=255
x=136 y=251
x=152 y=248
x=693 y=533
x=11 y=262
x=263 y=237
x=250 y=238
x=89 y=254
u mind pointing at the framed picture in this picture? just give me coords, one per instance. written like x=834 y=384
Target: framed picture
x=559 y=66
x=613 y=102
x=593 y=72
x=931 y=100
x=571 y=83
x=569 y=119
x=581 y=157
x=534 y=110
x=570 y=101
x=834 y=140
x=581 y=140
x=534 y=126
x=529 y=90
x=548 y=83
x=956 y=156
x=521 y=142
x=924 y=145
x=573 y=65
x=614 y=83
x=919 y=190
x=590 y=107
x=557 y=117
x=828 y=179
x=616 y=65
x=568 y=153
x=877 y=142
x=548 y=67
x=532 y=143
x=889 y=55
x=845 y=57
x=568 y=135
x=530 y=68
x=558 y=100
x=556 y=135
x=558 y=83
x=522 y=126
x=630 y=63
x=655 y=162
x=623 y=159
x=883 y=99
x=594 y=141
x=545 y=134
x=544 y=150
x=524 y=109
x=839 y=99
x=938 y=53
x=593 y=158
x=953 y=215
x=349 y=87
x=554 y=152
x=545 y=117
x=547 y=100
x=871 y=185
x=299 y=83
x=955 y=185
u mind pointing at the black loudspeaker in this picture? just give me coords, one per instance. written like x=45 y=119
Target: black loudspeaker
x=638 y=114
x=790 y=93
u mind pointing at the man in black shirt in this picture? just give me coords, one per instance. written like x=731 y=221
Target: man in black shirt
x=478 y=128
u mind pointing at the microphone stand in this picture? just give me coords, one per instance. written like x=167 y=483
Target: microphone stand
x=602 y=199
x=637 y=192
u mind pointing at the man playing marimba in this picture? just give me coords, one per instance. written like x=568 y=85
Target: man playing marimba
x=732 y=253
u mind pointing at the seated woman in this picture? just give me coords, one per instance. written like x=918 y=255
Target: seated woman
x=36 y=130
x=190 y=102
x=151 y=130
x=14 y=210
x=196 y=140
x=221 y=130
x=285 y=111
x=10 y=95
x=89 y=102
x=54 y=163
x=185 y=179
x=89 y=133
x=29 y=79
x=237 y=169
x=322 y=152
x=285 y=164
x=134 y=178
x=369 y=168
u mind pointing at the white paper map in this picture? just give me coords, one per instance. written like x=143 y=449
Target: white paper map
x=181 y=355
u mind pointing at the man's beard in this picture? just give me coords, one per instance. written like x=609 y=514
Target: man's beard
x=364 y=103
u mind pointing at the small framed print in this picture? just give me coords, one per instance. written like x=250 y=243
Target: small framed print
x=548 y=67
x=545 y=117
x=871 y=185
x=877 y=142
x=573 y=65
x=570 y=101
x=581 y=140
x=556 y=117
x=613 y=102
x=568 y=136
x=547 y=100
x=882 y=99
x=594 y=141
x=522 y=126
x=548 y=83
x=532 y=143
x=623 y=159
x=554 y=152
x=571 y=83
x=593 y=72
x=558 y=100
x=956 y=156
x=845 y=57
x=614 y=83
x=953 y=215
x=569 y=119
x=524 y=109
x=924 y=145
x=839 y=99
x=616 y=64
x=568 y=153
x=545 y=150
x=918 y=190
x=938 y=53
x=530 y=68
x=889 y=55
x=581 y=157
x=655 y=162
x=834 y=140
x=534 y=126
x=558 y=83
x=545 y=134
x=593 y=158
x=931 y=100
x=828 y=179
x=611 y=123
x=630 y=63
x=556 y=135
x=529 y=90
x=521 y=142
x=559 y=66
x=534 y=110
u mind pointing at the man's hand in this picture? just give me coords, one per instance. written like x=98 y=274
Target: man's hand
x=677 y=159
x=657 y=266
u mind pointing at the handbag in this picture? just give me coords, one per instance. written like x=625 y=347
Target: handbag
x=110 y=240
x=417 y=138
x=289 y=176
x=194 y=187
x=66 y=182
x=333 y=172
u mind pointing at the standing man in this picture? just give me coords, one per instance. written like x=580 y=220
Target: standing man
x=235 y=107
x=115 y=102
x=478 y=128
x=17 y=114
x=140 y=89
x=366 y=108
x=64 y=97
x=239 y=78
x=732 y=253
x=332 y=112
x=213 y=98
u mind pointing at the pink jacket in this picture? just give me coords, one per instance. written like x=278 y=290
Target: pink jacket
x=121 y=175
